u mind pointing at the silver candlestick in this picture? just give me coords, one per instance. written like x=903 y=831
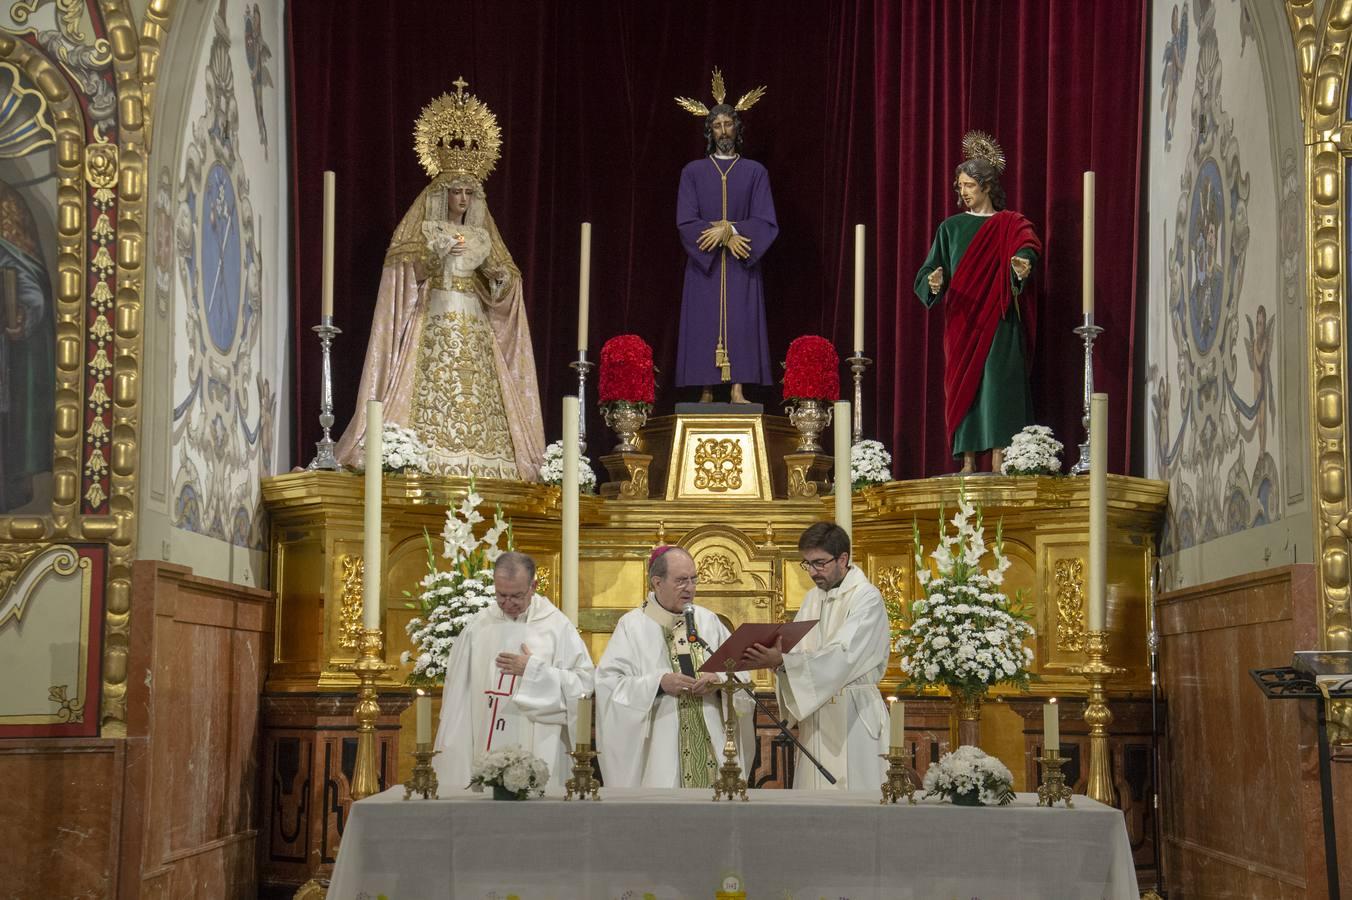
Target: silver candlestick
x=324 y=458
x=858 y=363
x=1087 y=332
x=582 y=367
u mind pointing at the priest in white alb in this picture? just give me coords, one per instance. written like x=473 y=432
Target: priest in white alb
x=828 y=683
x=658 y=720
x=514 y=678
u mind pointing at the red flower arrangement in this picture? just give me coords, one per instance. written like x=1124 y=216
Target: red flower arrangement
x=811 y=370
x=626 y=371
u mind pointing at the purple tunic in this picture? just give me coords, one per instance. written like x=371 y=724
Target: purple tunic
x=752 y=211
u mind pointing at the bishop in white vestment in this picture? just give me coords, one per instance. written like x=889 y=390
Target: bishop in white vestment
x=515 y=675
x=828 y=683
x=658 y=719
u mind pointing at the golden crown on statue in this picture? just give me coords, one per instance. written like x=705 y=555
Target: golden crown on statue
x=456 y=134
x=745 y=102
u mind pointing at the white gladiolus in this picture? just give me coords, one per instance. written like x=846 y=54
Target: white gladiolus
x=962 y=633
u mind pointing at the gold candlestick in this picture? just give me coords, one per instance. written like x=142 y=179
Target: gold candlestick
x=369 y=667
x=1053 y=786
x=424 y=779
x=1098 y=717
x=584 y=780
x=899 y=782
x=730 y=782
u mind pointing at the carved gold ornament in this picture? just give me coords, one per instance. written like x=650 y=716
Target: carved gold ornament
x=456 y=134
x=746 y=101
x=717 y=568
x=349 y=608
x=892 y=584
x=980 y=145
x=1069 y=575
x=718 y=465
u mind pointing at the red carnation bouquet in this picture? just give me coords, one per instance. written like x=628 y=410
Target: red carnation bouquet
x=627 y=371
x=811 y=370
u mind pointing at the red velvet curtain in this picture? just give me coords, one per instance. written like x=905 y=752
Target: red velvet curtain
x=583 y=91
x=1059 y=83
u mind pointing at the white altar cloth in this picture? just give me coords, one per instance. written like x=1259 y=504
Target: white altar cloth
x=636 y=843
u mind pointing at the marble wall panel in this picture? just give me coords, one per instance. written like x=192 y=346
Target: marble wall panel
x=1236 y=814
x=59 y=829
x=200 y=660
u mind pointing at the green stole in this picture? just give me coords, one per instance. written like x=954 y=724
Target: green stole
x=699 y=764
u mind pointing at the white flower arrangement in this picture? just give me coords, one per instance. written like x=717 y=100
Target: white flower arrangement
x=552 y=470
x=969 y=773
x=870 y=463
x=1033 y=451
x=964 y=632
x=448 y=600
x=401 y=451
x=514 y=770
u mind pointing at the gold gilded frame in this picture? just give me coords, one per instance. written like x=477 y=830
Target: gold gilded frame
x=1321 y=42
x=114 y=171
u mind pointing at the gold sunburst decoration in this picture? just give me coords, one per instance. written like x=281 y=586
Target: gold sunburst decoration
x=720 y=91
x=980 y=145
x=456 y=134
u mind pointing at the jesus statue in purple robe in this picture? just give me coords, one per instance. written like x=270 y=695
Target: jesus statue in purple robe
x=726 y=219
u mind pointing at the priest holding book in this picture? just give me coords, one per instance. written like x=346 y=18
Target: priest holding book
x=658 y=719
x=828 y=683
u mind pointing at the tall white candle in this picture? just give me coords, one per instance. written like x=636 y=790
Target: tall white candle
x=897 y=732
x=423 y=712
x=859 y=290
x=1051 y=728
x=1087 y=244
x=372 y=550
x=584 y=723
x=569 y=554
x=584 y=287
x=326 y=284
x=1098 y=512
x=844 y=485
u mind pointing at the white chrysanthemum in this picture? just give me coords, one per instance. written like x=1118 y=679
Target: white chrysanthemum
x=552 y=470
x=870 y=463
x=1033 y=451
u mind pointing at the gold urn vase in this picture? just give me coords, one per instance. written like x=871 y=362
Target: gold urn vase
x=625 y=419
x=810 y=417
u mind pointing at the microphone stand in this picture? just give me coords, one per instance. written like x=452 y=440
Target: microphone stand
x=760 y=704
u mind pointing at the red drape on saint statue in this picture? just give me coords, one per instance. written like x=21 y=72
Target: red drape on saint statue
x=975 y=302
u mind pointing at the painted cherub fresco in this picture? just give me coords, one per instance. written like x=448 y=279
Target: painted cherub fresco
x=258 y=53
x=1175 y=54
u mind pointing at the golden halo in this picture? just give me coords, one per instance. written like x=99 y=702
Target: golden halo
x=745 y=102
x=980 y=145
x=456 y=134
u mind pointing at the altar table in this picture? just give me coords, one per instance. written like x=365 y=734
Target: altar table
x=635 y=844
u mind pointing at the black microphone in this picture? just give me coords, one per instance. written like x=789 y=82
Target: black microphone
x=691 y=634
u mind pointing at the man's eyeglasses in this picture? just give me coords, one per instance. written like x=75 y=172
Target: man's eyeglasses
x=818 y=565
x=692 y=581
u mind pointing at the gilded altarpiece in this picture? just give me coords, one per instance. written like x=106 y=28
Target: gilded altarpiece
x=745 y=552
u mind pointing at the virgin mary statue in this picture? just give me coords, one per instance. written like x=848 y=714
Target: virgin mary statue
x=450 y=352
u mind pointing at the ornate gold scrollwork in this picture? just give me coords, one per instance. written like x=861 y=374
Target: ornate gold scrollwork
x=718 y=465
x=349 y=607
x=13 y=559
x=1069 y=577
x=71 y=708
